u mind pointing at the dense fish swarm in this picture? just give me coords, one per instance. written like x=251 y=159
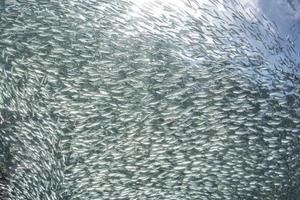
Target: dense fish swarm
x=113 y=99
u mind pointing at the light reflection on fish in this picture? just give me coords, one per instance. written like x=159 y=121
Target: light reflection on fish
x=190 y=103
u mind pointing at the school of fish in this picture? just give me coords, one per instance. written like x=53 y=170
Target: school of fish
x=113 y=99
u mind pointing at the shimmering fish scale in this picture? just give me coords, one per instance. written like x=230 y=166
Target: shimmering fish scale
x=153 y=100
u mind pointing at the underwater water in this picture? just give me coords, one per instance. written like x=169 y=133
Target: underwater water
x=124 y=99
